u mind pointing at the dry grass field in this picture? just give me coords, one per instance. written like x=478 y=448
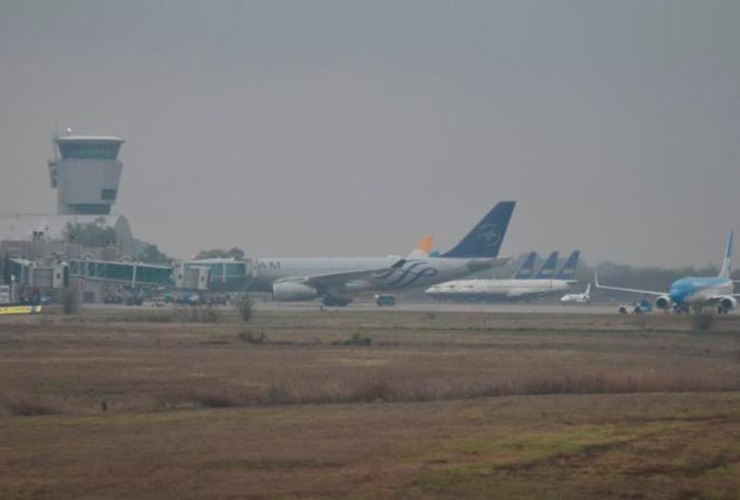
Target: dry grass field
x=133 y=403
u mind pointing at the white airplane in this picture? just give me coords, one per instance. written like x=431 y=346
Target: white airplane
x=689 y=292
x=542 y=283
x=577 y=298
x=336 y=279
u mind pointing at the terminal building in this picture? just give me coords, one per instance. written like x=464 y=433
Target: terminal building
x=86 y=173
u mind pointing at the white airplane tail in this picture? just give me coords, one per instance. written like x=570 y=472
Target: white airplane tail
x=726 y=270
x=587 y=293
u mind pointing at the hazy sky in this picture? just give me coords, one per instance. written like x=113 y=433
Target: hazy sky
x=352 y=128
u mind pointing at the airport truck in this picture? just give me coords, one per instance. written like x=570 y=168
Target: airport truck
x=639 y=307
x=385 y=300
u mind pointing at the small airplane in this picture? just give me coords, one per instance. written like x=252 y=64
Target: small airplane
x=694 y=293
x=543 y=283
x=577 y=298
x=336 y=279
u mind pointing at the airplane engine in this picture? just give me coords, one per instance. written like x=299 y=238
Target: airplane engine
x=663 y=302
x=728 y=303
x=287 y=292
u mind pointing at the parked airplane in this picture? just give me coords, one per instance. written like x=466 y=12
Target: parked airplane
x=689 y=292
x=548 y=268
x=336 y=279
x=486 y=289
x=526 y=270
x=577 y=298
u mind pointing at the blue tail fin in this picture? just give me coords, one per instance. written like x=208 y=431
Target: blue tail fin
x=548 y=268
x=726 y=270
x=568 y=271
x=526 y=270
x=486 y=237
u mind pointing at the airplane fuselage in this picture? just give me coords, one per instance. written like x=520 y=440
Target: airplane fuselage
x=506 y=288
x=692 y=291
x=575 y=298
x=414 y=273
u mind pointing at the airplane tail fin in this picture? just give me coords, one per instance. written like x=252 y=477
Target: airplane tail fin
x=526 y=270
x=726 y=270
x=486 y=237
x=568 y=272
x=548 y=268
x=422 y=249
x=587 y=293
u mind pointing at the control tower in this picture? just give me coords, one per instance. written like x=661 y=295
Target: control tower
x=86 y=172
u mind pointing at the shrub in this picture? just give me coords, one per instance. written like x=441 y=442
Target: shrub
x=244 y=306
x=24 y=407
x=373 y=389
x=358 y=339
x=252 y=338
x=703 y=321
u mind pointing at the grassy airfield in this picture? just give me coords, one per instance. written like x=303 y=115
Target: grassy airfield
x=137 y=403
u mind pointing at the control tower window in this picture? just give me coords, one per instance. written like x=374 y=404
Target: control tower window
x=108 y=195
x=89 y=151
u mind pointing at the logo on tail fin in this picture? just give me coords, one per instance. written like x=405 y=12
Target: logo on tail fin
x=485 y=239
x=548 y=268
x=568 y=271
x=488 y=234
x=526 y=270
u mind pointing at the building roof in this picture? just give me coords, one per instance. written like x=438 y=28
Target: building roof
x=88 y=138
x=21 y=227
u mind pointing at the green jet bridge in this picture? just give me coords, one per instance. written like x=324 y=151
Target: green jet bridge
x=206 y=275
x=133 y=274
x=209 y=274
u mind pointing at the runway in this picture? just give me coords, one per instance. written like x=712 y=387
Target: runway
x=365 y=306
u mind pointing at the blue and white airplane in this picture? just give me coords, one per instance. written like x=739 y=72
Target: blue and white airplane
x=526 y=269
x=511 y=289
x=694 y=293
x=547 y=270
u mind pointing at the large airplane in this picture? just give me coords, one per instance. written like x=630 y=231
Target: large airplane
x=526 y=270
x=548 y=268
x=689 y=292
x=336 y=279
x=510 y=288
x=577 y=298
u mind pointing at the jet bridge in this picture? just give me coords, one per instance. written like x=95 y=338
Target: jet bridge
x=200 y=275
x=133 y=274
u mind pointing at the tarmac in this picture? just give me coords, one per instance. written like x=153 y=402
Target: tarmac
x=522 y=308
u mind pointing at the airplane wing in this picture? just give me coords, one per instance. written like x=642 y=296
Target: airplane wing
x=717 y=298
x=620 y=289
x=337 y=279
x=481 y=264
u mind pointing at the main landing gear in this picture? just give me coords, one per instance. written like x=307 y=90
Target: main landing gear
x=681 y=309
x=336 y=300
